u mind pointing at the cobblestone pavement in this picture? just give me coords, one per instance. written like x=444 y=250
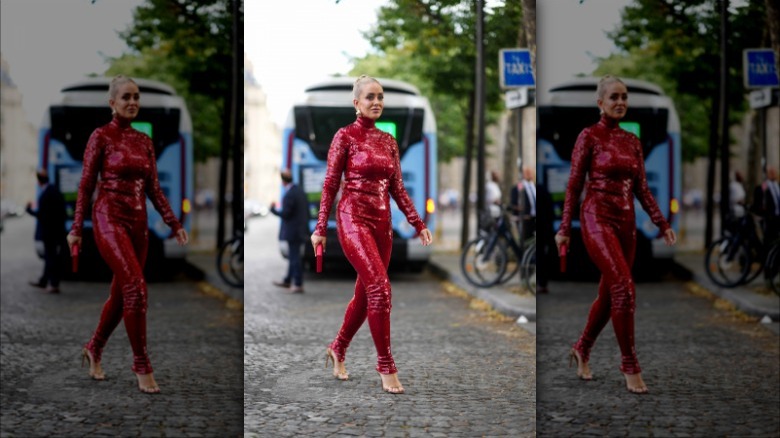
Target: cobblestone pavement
x=465 y=373
x=710 y=371
x=194 y=343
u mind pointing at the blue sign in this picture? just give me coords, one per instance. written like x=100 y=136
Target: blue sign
x=516 y=69
x=759 y=68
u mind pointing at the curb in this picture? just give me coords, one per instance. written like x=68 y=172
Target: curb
x=208 y=287
x=500 y=300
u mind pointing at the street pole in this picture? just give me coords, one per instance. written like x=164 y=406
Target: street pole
x=480 y=111
x=723 y=115
x=237 y=120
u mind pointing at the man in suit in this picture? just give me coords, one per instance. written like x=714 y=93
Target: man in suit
x=294 y=229
x=50 y=229
x=766 y=203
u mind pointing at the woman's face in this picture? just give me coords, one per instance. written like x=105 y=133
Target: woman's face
x=127 y=101
x=614 y=103
x=371 y=102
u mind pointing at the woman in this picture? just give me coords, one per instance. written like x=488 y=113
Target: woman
x=612 y=159
x=125 y=161
x=369 y=160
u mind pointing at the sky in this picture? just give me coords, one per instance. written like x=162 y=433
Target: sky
x=48 y=44
x=291 y=43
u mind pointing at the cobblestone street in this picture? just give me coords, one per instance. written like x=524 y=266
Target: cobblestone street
x=193 y=340
x=710 y=371
x=465 y=373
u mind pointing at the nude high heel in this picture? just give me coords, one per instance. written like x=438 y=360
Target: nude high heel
x=86 y=356
x=574 y=356
x=331 y=356
x=391 y=389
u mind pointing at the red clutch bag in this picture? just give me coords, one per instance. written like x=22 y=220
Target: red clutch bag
x=319 y=258
x=562 y=254
x=74 y=255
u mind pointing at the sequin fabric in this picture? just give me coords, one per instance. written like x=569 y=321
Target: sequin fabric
x=369 y=161
x=124 y=160
x=613 y=162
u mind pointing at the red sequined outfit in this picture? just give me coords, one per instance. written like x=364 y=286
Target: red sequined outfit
x=369 y=160
x=613 y=160
x=124 y=159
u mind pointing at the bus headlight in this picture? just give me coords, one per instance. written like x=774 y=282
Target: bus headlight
x=430 y=206
x=674 y=206
x=186 y=206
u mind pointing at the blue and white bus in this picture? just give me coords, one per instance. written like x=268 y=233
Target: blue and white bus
x=309 y=130
x=83 y=106
x=565 y=109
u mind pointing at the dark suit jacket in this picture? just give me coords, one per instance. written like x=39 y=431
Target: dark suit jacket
x=763 y=202
x=295 y=215
x=51 y=215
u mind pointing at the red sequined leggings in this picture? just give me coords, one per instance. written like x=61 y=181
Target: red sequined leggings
x=123 y=245
x=611 y=244
x=367 y=245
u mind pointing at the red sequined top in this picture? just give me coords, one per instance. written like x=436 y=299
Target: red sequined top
x=612 y=158
x=371 y=165
x=124 y=159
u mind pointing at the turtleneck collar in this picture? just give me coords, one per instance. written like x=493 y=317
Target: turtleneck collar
x=365 y=122
x=120 y=122
x=608 y=121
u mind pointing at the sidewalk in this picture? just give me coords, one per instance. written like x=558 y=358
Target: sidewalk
x=745 y=298
x=446 y=265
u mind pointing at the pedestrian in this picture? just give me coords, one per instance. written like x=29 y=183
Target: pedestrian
x=369 y=160
x=124 y=159
x=523 y=202
x=49 y=229
x=493 y=194
x=766 y=203
x=613 y=162
x=294 y=230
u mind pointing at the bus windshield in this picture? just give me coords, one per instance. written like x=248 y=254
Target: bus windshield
x=561 y=125
x=72 y=126
x=317 y=125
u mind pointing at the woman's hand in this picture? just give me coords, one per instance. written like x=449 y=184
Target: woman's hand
x=561 y=240
x=425 y=237
x=182 y=237
x=73 y=240
x=670 y=237
x=315 y=240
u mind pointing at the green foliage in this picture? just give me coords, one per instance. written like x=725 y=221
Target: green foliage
x=185 y=43
x=431 y=45
x=675 y=44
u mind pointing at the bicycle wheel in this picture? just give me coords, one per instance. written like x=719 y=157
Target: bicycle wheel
x=513 y=263
x=727 y=263
x=528 y=271
x=773 y=268
x=230 y=262
x=482 y=265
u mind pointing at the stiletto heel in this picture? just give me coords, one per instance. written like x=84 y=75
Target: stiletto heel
x=86 y=356
x=574 y=355
x=331 y=356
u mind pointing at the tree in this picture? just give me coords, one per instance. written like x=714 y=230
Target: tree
x=431 y=44
x=675 y=44
x=185 y=43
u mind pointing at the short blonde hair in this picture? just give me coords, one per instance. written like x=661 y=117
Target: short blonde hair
x=359 y=82
x=606 y=81
x=117 y=82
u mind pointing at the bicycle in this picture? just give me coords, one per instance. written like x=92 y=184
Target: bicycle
x=772 y=266
x=737 y=257
x=486 y=260
x=528 y=266
x=230 y=260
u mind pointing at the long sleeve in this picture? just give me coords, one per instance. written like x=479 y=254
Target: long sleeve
x=645 y=196
x=156 y=194
x=580 y=160
x=288 y=207
x=399 y=193
x=91 y=167
x=337 y=161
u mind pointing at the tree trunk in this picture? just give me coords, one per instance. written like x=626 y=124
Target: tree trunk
x=773 y=20
x=529 y=23
x=466 y=210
